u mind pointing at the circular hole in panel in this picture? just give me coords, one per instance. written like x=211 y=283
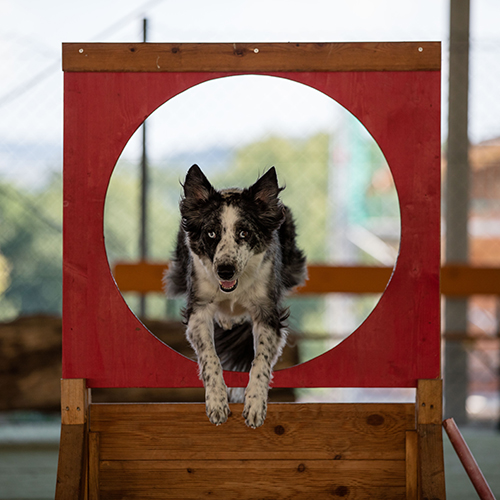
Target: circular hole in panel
x=338 y=186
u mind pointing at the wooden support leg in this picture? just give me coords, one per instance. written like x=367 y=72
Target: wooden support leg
x=430 y=437
x=72 y=465
x=411 y=465
x=94 y=465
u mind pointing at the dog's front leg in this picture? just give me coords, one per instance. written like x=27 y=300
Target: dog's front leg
x=268 y=345
x=200 y=333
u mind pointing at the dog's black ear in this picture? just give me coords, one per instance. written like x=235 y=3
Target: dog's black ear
x=264 y=195
x=266 y=188
x=197 y=186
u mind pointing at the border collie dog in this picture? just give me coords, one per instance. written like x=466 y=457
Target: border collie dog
x=236 y=257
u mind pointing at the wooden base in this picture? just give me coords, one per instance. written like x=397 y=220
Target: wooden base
x=302 y=451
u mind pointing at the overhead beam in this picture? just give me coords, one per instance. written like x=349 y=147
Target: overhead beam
x=251 y=57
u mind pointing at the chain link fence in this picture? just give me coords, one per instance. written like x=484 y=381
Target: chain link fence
x=337 y=184
x=30 y=180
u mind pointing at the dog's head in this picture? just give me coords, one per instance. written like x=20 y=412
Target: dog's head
x=227 y=228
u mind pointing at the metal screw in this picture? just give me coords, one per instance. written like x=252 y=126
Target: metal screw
x=256 y=51
x=81 y=51
x=420 y=49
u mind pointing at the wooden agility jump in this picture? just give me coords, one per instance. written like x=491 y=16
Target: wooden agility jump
x=302 y=450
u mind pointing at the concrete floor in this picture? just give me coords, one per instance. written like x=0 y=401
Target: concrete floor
x=29 y=447
x=485 y=446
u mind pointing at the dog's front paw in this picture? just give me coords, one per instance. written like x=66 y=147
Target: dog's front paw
x=217 y=407
x=255 y=410
x=218 y=414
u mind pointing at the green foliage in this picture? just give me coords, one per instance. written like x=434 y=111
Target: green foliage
x=302 y=167
x=121 y=214
x=31 y=244
x=30 y=221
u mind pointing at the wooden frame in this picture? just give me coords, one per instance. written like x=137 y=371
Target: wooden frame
x=400 y=108
x=370 y=450
x=251 y=57
x=394 y=89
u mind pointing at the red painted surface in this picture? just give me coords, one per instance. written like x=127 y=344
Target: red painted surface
x=397 y=344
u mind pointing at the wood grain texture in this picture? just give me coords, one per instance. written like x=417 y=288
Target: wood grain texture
x=430 y=401
x=74 y=401
x=94 y=465
x=411 y=465
x=72 y=463
x=253 y=479
x=291 y=431
x=251 y=57
x=430 y=439
x=432 y=481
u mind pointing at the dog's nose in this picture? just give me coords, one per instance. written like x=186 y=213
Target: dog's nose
x=226 y=271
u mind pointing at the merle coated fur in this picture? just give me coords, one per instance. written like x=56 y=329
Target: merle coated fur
x=235 y=260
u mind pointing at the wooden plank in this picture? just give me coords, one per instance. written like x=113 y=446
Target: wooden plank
x=71 y=467
x=315 y=431
x=250 y=479
x=94 y=461
x=456 y=280
x=72 y=464
x=411 y=465
x=252 y=57
x=463 y=280
x=430 y=401
x=430 y=439
x=142 y=277
x=147 y=277
x=74 y=401
x=325 y=279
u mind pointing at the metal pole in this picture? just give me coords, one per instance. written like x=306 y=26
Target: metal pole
x=143 y=238
x=457 y=205
x=468 y=461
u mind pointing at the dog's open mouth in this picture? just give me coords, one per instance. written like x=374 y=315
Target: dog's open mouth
x=228 y=286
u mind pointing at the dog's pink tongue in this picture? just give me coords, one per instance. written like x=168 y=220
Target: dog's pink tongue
x=228 y=284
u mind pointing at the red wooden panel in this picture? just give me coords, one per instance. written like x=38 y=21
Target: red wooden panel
x=397 y=344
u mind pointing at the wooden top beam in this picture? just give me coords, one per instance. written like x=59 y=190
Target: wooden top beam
x=251 y=57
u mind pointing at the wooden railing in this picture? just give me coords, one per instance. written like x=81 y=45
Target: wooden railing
x=456 y=280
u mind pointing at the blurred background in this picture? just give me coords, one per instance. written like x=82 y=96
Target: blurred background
x=337 y=183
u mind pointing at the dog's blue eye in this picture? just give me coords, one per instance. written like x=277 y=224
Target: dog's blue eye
x=243 y=235
x=211 y=234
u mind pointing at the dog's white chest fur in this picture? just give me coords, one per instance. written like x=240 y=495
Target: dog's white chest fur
x=235 y=307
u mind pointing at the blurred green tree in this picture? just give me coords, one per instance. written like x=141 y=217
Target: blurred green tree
x=31 y=244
